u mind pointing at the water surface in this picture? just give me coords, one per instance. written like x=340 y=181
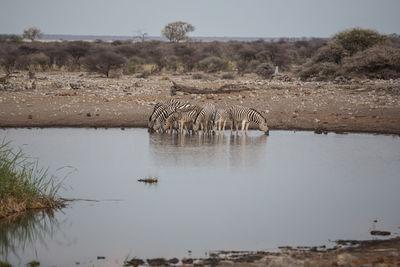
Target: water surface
x=226 y=192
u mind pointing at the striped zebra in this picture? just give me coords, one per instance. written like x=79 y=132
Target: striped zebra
x=205 y=119
x=159 y=107
x=221 y=117
x=171 y=123
x=244 y=115
x=165 y=112
x=186 y=117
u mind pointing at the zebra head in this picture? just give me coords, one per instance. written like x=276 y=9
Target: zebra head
x=264 y=127
x=196 y=126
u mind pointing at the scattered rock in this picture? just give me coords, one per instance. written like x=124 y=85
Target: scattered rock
x=381 y=233
x=187 y=261
x=33 y=264
x=157 y=262
x=134 y=262
x=32 y=75
x=75 y=86
x=173 y=261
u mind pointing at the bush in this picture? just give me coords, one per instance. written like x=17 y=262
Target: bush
x=8 y=57
x=171 y=63
x=332 y=52
x=265 y=70
x=213 y=64
x=357 y=39
x=103 y=61
x=380 y=61
x=321 y=71
x=134 y=65
x=16 y=39
x=39 y=61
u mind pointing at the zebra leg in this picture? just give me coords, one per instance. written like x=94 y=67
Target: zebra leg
x=237 y=127
x=181 y=127
x=243 y=125
x=247 y=126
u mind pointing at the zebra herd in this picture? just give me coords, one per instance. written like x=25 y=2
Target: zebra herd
x=174 y=115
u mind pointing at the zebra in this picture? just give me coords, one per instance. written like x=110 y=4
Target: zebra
x=165 y=112
x=159 y=107
x=187 y=116
x=221 y=117
x=171 y=122
x=205 y=118
x=244 y=115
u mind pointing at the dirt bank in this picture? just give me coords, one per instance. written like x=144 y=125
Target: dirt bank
x=56 y=99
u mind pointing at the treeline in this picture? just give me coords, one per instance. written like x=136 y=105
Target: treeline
x=355 y=53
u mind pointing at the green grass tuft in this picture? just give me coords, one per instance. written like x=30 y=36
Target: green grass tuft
x=23 y=184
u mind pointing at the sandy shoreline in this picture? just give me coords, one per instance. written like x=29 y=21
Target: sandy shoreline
x=50 y=101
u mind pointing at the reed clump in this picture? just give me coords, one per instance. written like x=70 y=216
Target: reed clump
x=23 y=184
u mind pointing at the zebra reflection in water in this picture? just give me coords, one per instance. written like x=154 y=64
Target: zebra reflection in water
x=209 y=150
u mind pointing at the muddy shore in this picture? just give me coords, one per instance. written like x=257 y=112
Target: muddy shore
x=64 y=99
x=364 y=253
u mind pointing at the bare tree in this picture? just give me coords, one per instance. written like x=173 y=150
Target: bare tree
x=32 y=34
x=177 y=31
x=141 y=35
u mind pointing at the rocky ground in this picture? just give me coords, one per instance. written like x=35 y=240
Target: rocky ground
x=53 y=99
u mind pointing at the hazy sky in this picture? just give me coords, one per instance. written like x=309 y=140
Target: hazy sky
x=246 y=18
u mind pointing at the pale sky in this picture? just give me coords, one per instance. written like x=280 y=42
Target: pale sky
x=232 y=18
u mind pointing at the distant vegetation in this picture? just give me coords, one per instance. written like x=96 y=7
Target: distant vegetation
x=353 y=53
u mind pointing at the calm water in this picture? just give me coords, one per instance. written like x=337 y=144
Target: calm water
x=222 y=193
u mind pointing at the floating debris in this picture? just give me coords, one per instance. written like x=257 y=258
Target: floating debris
x=149 y=180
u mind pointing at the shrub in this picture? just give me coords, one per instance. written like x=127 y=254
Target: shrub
x=16 y=39
x=213 y=64
x=332 y=52
x=8 y=58
x=265 y=70
x=134 y=65
x=77 y=50
x=39 y=61
x=171 y=62
x=103 y=61
x=380 y=61
x=321 y=71
x=357 y=39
